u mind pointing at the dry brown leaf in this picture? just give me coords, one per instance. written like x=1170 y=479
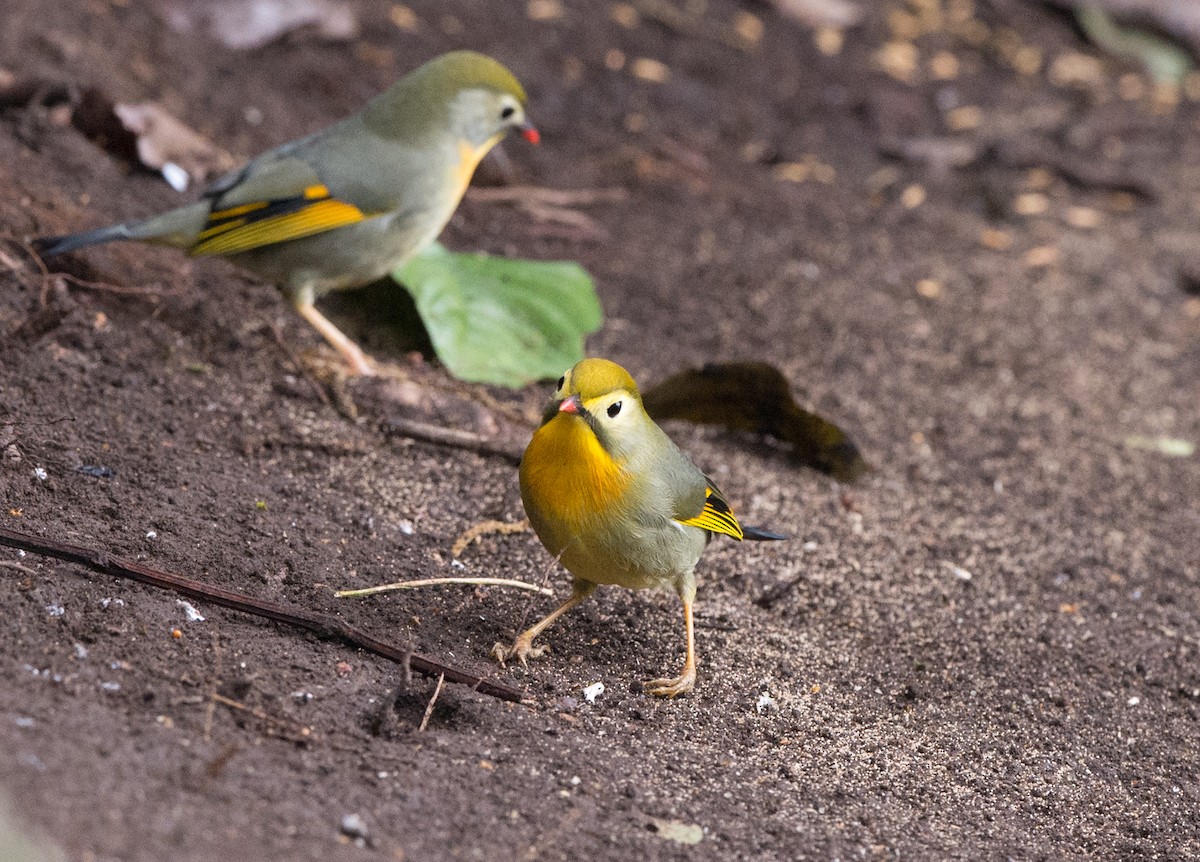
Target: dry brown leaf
x=248 y=24
x=820 y=14
x=167 y=145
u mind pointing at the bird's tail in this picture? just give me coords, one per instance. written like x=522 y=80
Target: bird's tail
x=757 y=534
x=50 y=246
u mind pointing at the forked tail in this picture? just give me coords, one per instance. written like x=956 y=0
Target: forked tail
x=49 y=246
x=757 y=534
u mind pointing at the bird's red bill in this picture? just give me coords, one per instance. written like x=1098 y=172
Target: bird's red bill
x=532 y=135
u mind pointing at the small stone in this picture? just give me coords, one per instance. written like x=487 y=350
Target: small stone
x=353 y=826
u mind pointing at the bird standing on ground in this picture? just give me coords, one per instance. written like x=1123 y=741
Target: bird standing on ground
x=617 y=502
x=352 y=202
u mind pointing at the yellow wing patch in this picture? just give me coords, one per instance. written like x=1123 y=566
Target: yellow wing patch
x=716 y=516
x=253 y=225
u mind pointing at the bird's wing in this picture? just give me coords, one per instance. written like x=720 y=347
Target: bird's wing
x=271 y=201
x=715 y=516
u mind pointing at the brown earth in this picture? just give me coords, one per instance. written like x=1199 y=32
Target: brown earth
x=986 y=649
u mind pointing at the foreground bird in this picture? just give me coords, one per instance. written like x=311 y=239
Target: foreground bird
x=615 y=500
x=352 y=202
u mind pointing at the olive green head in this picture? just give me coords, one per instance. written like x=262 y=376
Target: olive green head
x=464 y=93
x=593 y=378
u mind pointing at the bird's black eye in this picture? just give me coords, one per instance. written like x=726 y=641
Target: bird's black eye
x=614 y=409
x=508 y=111
x=562 y=381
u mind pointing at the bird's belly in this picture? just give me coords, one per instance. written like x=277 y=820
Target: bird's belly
x=345 y=257
x=633 y=556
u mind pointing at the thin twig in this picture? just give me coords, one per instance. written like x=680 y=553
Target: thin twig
x=320 y=624
x=450 y=437
x=20 y=567
x=433 y=582
x=286 y=348
x=549 y=197
x=487 y=528
x=432 y=701
x=303 y=731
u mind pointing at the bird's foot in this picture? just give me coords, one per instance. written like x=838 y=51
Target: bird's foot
x=522 y=649
x=681 y=684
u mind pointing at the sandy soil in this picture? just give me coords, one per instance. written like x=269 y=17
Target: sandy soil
x=986 y=649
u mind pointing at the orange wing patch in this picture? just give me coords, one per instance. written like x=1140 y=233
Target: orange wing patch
x=716 y=516
x=253 y=225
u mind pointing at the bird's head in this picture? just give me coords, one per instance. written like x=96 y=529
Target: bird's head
x=466 y=94
x=603 y=397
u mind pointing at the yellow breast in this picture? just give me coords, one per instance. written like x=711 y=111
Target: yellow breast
x=568 y=481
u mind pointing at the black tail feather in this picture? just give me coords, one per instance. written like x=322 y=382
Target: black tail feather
x=757 y=534
x=51 y=246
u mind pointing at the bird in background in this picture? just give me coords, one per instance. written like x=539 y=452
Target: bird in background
x=350 y=203
x=617 y=502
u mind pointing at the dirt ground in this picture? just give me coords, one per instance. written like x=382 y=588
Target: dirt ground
x=987 y=274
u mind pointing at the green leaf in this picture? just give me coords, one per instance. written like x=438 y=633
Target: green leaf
x=496 y=320
x=1163 y=59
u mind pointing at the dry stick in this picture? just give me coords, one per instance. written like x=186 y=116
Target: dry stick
x=435 y=582
x=320 y=624
x=303 y=730
x=449 y=437
x=550 y=197
x=20 y=567
x=432 y=701
x=487 y=528
x=287 y=351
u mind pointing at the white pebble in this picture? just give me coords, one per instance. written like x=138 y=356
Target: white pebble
x=40 y=474
x=766 y=703
x=593 y=691
x=193 y=615
x=55 y=610
x=353 y=826
x=176 y=177
x=1134 y=701
x=958 y=572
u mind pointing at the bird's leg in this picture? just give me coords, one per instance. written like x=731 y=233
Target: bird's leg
x=522 y=648
x=358 y=361
x=686 y=680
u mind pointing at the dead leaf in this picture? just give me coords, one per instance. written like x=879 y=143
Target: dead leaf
x=248 y=24
x=165 y=144
x=756 y=397
x=819 y=14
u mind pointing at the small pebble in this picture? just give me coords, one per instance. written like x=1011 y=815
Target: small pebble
x=593 y=691
x=353 y=826
x=193 y=615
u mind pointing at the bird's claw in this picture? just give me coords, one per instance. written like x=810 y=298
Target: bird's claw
x=522 y=649
x=681 y=684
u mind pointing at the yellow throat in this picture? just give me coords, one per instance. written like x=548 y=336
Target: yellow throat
x=569 y=477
